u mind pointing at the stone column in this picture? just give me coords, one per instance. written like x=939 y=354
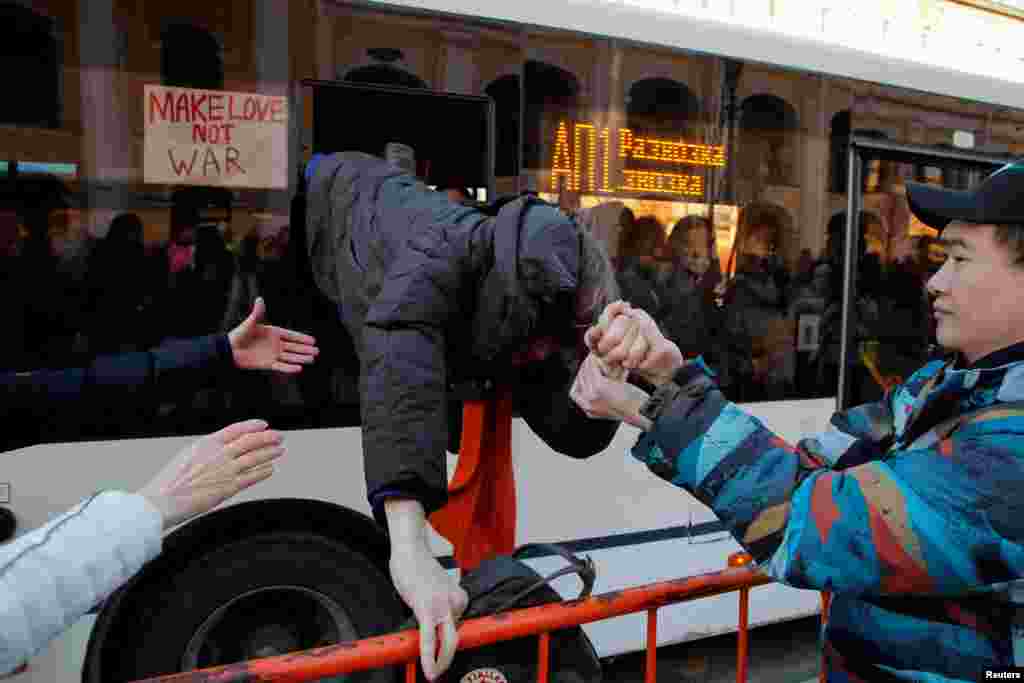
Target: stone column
x=459 y=72
x=271 y=28
x=324 y=37
x=106 y=158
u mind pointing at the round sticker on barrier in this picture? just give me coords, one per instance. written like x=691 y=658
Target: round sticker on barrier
x=484 y=676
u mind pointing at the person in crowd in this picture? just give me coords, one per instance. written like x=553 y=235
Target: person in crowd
x=49 y=275
x=866 y=313
x=443 y=302
x=53 y=575
x=605 y=222
x=806 y=308
x=689 y=315
x=753 y=310
x=38 y=404
x=215 y=270
x=641 y=244
x=176 y=281
x=120 y=311
x=906 y=510
x=13 y=293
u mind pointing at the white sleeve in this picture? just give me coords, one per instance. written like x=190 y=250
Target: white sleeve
x=53 y=575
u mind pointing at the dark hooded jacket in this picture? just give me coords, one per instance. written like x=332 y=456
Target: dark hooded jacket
x=437 y=297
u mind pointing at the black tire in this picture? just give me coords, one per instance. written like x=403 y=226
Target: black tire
x=272 y=577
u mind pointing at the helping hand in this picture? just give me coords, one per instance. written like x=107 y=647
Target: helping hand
x=601 y=397
x=256 y=346
x=213 y=469
x=628 y=338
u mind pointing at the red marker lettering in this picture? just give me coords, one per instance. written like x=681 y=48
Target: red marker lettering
x=197 y=111
x=181 y=112
x=216 y=108
x=277 y=110
x=164 y=110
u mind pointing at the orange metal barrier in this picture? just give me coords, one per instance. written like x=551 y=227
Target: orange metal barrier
x=403 y=647
x=482 y=499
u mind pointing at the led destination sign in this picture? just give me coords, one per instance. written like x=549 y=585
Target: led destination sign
x=581 y=161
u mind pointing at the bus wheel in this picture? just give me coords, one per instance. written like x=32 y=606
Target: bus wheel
x=258 y=597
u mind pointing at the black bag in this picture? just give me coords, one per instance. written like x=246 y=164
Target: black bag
x=506 y=583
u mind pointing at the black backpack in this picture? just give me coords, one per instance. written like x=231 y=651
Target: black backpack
x=506 y=583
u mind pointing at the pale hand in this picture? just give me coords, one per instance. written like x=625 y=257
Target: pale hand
x=431 y=593
x=257 y=346
x=601 y=397
x=629 y=338
x=213 y=469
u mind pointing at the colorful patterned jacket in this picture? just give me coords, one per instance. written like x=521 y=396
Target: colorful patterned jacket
x=914 y=520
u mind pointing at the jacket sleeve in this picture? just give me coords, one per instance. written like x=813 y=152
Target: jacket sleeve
x=941 y=520
x=53 y=575
x=403 y=380
x=115 y=382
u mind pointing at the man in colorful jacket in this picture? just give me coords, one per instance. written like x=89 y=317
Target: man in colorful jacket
x=907 y=510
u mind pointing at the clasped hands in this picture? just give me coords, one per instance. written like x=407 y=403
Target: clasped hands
x=625 y=340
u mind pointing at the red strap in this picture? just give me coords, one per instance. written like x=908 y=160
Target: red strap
x=480 y=517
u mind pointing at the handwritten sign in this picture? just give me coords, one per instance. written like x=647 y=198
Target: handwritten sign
x=215 y=138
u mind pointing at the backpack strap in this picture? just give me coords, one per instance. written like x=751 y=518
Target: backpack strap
x=584 y=568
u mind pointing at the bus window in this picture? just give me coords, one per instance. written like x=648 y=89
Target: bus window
x=701 y=175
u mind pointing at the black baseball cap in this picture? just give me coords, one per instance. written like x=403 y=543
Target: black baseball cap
x=999 y=199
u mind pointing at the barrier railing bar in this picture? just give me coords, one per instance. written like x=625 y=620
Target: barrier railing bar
x=651 y=667
x=826 y=599
x=741 y=636
x=543 y=655
x=402 y=647
x=410 y=671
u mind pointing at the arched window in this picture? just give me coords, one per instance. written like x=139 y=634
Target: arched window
x=505 y=93
x=550 y=98
x=768 y=135
x=664 y=108
x=190 y=57
x=384 y=74
x=30 y=57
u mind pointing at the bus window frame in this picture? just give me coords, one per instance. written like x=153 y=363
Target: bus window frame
x=860 y=151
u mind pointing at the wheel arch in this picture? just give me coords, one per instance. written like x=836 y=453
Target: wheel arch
x=230 y=524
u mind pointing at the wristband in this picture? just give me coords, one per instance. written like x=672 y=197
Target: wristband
x=662 y=397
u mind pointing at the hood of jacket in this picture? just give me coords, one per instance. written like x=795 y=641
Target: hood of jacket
x=528 y=278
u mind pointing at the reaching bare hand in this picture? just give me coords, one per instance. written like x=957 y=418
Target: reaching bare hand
x=213 y=469
x=257 y=346
x=602 y=397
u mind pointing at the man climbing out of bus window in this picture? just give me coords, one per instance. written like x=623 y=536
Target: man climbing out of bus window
x=907 y=510
x=444 y=302
x=35 y=404
x=53 y=575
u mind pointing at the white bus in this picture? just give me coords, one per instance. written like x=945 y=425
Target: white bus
x=730 y=122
